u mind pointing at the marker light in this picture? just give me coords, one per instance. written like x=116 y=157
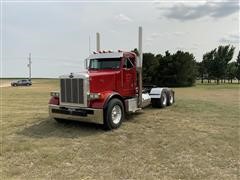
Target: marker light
x=94 y=96
x=54 y=94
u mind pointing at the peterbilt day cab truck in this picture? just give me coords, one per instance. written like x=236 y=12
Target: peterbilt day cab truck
x=110 y=87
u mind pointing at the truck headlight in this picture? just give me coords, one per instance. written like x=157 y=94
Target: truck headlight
x=93 y=96
x=54 y=94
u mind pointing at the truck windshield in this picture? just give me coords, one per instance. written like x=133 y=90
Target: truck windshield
x=105 y=63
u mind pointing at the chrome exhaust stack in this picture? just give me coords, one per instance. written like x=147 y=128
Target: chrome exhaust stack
x=98 y=41
x=139 y=67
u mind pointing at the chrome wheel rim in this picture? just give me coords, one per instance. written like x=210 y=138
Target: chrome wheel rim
x=116 y=114
x=164 y=99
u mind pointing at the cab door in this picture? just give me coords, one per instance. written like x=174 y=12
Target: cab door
x=129 y=77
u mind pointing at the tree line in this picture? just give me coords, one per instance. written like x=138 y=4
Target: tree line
x=217 y=65
x=177 y=69
x=182 y=69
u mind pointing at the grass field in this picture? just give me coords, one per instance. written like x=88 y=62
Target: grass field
x=196 y=138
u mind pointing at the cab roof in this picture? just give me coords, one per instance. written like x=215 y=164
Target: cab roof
x=104 y=55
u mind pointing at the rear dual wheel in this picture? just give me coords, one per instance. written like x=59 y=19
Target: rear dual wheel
x=166 y=99
x=113 y=114
x=170 y=98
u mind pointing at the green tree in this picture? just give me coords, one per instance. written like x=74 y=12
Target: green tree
x=150 y=65
x=178 y=69
x=164 y=75
x=186 y=68
x=231 y=71
x=200 y=71
x=223 y=55
x=238 y=67
x=216 y=61
x=207 y=64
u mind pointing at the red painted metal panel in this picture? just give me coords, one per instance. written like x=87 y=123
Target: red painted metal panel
x=122 y=81
x=54 y=100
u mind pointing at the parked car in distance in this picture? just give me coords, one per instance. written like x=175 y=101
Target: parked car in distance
x=22 y=82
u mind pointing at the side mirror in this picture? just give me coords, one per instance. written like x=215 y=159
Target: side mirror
x=124 y=66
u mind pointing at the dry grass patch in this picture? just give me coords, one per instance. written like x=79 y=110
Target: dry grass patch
x=197 y=138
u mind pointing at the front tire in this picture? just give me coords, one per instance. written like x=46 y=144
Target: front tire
x=114 y=114
x=60 y=120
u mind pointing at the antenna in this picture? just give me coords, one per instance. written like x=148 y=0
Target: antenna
x=89 y=44
x=98 y=41
x=29 y=66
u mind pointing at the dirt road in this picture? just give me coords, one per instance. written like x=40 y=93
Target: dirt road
x=4 y=84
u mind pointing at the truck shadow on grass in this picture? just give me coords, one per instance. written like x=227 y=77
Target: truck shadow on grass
x=44 y=128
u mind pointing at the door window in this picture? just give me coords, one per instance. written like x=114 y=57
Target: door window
x=128 y=64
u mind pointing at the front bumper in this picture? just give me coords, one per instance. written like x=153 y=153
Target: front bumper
x=76 y=114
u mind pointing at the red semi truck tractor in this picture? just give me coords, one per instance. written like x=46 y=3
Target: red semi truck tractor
x=110 y=88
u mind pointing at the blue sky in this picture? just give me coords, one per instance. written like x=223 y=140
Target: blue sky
x=57 y=32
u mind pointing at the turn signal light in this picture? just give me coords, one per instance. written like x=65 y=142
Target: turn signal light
x=94 y=96
x=54 y=94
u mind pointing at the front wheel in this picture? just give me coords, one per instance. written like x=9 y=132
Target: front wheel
x=60 y=120
x=114 y=114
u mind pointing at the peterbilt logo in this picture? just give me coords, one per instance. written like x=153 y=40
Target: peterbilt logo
x=71 y=75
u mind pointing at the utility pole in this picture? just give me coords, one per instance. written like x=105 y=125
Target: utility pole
x=29 y=66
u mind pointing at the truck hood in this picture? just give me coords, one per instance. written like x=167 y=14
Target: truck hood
x=102 y=73
x=89 y=74
x=99 y=81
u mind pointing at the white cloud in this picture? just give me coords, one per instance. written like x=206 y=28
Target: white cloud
x=155 y=35
x=184 y=11
x=59 y=36
x=123 y=18
x=231 y=38
x=179 y=33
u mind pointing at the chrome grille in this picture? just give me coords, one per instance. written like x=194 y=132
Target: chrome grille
x=72 y=91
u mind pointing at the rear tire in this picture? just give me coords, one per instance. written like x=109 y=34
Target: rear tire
x=113 y=114
x=171 y=99
x=160 y=102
